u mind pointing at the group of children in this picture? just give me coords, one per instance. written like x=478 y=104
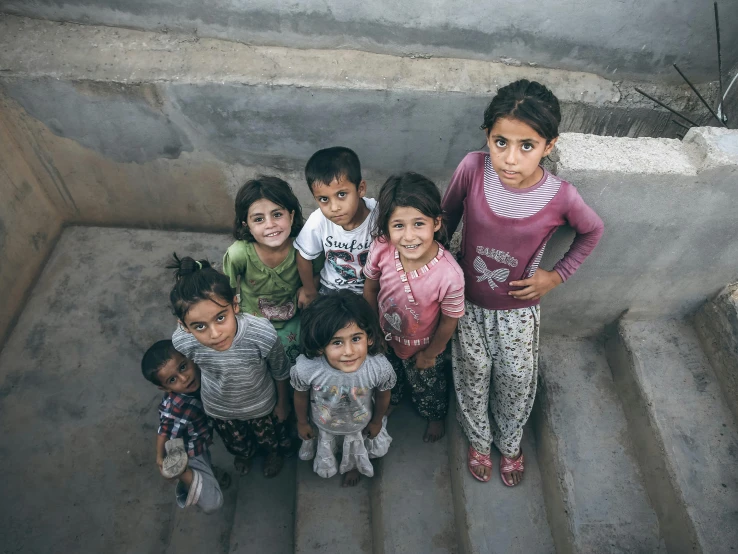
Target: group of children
x=340 y=314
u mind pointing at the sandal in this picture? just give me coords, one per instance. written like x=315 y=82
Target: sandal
x=475 y=459
x=508 y=465
x=175 y=461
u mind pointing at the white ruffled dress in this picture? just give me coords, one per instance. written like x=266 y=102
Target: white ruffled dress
x=341 y=407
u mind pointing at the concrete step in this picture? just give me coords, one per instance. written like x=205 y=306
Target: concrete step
x=265 y=513
x=595 y=495
x=685 y=436
x=331 y=519
x=195 y=531
x=717 y=327
x=412 y=507
x=490 y=517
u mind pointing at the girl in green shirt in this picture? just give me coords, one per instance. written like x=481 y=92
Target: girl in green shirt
x=261 y=263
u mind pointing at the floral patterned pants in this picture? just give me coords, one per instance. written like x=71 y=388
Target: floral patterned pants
x=428 y=387
x=495 y=369
x=244 y=437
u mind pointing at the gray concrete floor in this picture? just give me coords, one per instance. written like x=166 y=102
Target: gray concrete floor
x=77 y=419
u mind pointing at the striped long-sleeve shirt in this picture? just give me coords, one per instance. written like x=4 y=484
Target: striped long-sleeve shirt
x=238 y=383
x=506 y=230
x=411 y=304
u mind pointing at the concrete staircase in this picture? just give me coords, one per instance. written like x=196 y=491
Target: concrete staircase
x=632 y=447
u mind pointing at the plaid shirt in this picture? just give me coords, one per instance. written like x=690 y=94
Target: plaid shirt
x=182 y=416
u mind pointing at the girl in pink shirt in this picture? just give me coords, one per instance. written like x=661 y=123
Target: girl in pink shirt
x=511 y=206
x=418 y=289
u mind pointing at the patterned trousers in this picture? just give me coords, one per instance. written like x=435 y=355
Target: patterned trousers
x=428 y=387
x=244 y=437
x=495 y=369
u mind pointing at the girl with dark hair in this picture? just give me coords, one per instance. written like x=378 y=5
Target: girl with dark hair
x=261 y=263
x=511 y=206
x=244 y=370
x=345 y=378
x=418 y=290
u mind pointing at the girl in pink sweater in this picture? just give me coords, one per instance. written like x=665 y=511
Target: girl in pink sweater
x=511 y=206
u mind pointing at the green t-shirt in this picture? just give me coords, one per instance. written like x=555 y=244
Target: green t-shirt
x=265 y=291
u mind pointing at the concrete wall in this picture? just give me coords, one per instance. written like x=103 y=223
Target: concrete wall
x=136 y=129
x=629 y=38
x=29 y=222
x=671 y=232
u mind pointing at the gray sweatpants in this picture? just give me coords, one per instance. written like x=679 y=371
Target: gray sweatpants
x=204 y=491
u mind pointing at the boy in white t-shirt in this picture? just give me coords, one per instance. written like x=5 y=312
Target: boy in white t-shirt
x=341 y=227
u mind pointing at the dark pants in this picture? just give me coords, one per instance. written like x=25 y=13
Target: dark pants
x=244 y=437
x=428 y=387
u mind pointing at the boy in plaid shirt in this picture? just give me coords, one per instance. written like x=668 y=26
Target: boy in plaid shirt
x=181 y=416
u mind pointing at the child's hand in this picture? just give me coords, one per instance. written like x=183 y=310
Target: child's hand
x=304 y=298
x=281 y=411
x=159 y=462
x=305 y=431
x=372 y=429
x=424 y=361
x=534 y=287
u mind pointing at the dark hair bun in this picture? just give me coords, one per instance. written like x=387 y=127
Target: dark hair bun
x=186 y=266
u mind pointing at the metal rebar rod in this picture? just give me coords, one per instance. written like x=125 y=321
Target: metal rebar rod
x=681 y=124
x=720 y=62
x=660 y=103
x=699 y=96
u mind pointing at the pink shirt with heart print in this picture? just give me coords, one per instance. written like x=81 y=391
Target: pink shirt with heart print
x=411 y=304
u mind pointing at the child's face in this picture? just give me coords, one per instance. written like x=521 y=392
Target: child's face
x=269 y=223
x=213 y=323
x=515 y=151
x=179 y=375
x=341 y=202
x=411 y=232
x=347 y=350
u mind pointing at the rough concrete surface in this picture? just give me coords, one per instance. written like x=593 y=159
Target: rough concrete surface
x=265 y=514
x=634 y=37
x=717 y=326
x=595 y=491
x=412 y=507
x=29 y=223
x=685 y=436
x=329 y=518
x=490 y=517
x=31 y=49
x=78 y=419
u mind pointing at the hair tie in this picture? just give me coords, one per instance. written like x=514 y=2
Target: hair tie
x=198 y=264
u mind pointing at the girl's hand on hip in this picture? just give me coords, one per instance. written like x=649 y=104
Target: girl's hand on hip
x=305 y=431
x=424 y=361
x=534 y=287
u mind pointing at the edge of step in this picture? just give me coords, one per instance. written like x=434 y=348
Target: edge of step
x=412 y=498
x=676 y=415
x=582 y=437
x=716 y=324
x=263 y=503
x=490 y=517
x=329 y=518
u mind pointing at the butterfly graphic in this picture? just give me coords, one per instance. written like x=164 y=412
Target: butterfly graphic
x=499 y=275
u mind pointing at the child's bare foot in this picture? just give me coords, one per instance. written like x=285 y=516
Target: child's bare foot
x=434 y=431
x=242 y=465
x=351 y=479
x=273 y=464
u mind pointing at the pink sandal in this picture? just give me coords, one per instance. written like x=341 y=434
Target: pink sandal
x=508 y=465
x=476 y=459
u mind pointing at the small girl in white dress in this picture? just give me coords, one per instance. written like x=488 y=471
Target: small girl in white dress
x=344 y=375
